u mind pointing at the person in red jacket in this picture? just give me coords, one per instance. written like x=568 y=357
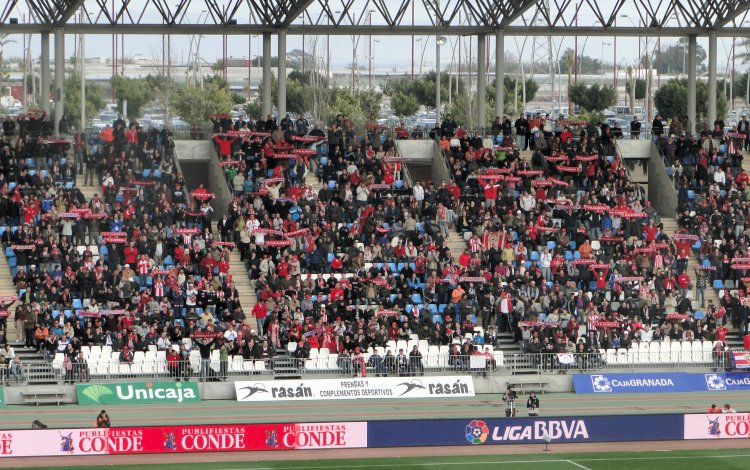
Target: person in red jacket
x=131 y=254
x=260 y=311
x=683 y=283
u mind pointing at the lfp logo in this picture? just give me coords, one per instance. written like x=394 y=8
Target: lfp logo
x=601 y=384
x=715 y=382
x=477 y=432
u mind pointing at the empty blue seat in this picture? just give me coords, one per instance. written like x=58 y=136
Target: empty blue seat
x=416 y=298
x=437 y=319
x=542 y=316
x=393 y=267
x=146 y=173
x=697 y=245
x=573 y=245
x=330 y=258
x=577 y=254
x=12 y=262
x=157 y=174
x=699 y=315
x=398 y=184
x=706 y=262
x=433 y=308
x=400 y=266
x=691 y=194
x=441 y=307
x=473 y=318
x=534 y=256
x=718 y=284
x=592 y=285
x=331 y=184
x=569 y=255
x=9 y=252
x=77 y=304
x=551 y=245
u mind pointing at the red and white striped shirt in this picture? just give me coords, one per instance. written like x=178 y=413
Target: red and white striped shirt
x=591 y=322
x=159 y=288
x=143 y=267
x=475 y=244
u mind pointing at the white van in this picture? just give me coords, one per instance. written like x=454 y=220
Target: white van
x=625 y=111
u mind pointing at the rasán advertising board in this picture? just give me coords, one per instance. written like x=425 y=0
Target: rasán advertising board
x=352 y=389
x=136 y=393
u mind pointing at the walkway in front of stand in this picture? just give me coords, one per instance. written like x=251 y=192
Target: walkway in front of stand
x=482 y=406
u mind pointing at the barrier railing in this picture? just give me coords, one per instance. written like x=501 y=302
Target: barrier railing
x=332 y=364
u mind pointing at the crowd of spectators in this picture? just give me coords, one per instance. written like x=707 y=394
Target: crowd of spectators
x=135 y=268
x=712 y=207
x=563 y=251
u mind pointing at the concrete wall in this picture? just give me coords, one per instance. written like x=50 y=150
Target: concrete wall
x=200 y=165
x=494 y=385
x=418 y=150
x=217 y=184
x=661 y=190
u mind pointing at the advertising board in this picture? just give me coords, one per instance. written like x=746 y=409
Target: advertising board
x=137 y=393
x=178 y=439
x=717 y=426
x=661 y=382
x=524 y=430
x=352 y=389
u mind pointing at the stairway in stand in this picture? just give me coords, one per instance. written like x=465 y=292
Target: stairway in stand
x=7 y=288
x=88 y=190
x=248 y=297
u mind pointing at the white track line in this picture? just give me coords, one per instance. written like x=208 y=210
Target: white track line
x=577 y=465
x=500 y=462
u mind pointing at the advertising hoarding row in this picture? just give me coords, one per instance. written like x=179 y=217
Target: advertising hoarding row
x=375 y=434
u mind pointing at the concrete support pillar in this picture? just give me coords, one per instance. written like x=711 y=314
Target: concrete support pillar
x=712 y=50
x=437 y=81
x=691 y=73
x=267 y=105
x=499 y=73
x=59 y=77
x=45 y=73
x=481 y=82
x=282 y=75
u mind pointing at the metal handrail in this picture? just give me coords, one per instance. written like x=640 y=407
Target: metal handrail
x=286 y=366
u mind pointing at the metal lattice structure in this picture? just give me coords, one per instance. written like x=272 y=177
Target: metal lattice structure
x=379 y=17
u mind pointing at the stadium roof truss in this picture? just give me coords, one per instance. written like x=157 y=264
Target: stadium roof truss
x=380 y=17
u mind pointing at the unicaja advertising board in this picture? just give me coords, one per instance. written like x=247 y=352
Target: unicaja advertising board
x=137 y=393
x=352 y=389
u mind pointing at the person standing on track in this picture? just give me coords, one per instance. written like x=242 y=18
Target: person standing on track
x=532 y=404
x=509 y=397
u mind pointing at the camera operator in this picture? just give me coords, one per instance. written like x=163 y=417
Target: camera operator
x=509 y=397
x=532 y=404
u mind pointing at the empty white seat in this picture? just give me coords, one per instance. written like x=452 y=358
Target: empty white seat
x=499 y=358
x=139 y=356
x=259 y=365
x=314 y=353
x=324 y=352
x=291 y=346
x=235 y=364
x=310 y=364
x=333 y=361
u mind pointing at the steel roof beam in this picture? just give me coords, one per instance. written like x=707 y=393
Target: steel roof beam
x=365 y=30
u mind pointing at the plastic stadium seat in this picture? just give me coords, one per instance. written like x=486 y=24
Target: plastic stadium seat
x=718 y=284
